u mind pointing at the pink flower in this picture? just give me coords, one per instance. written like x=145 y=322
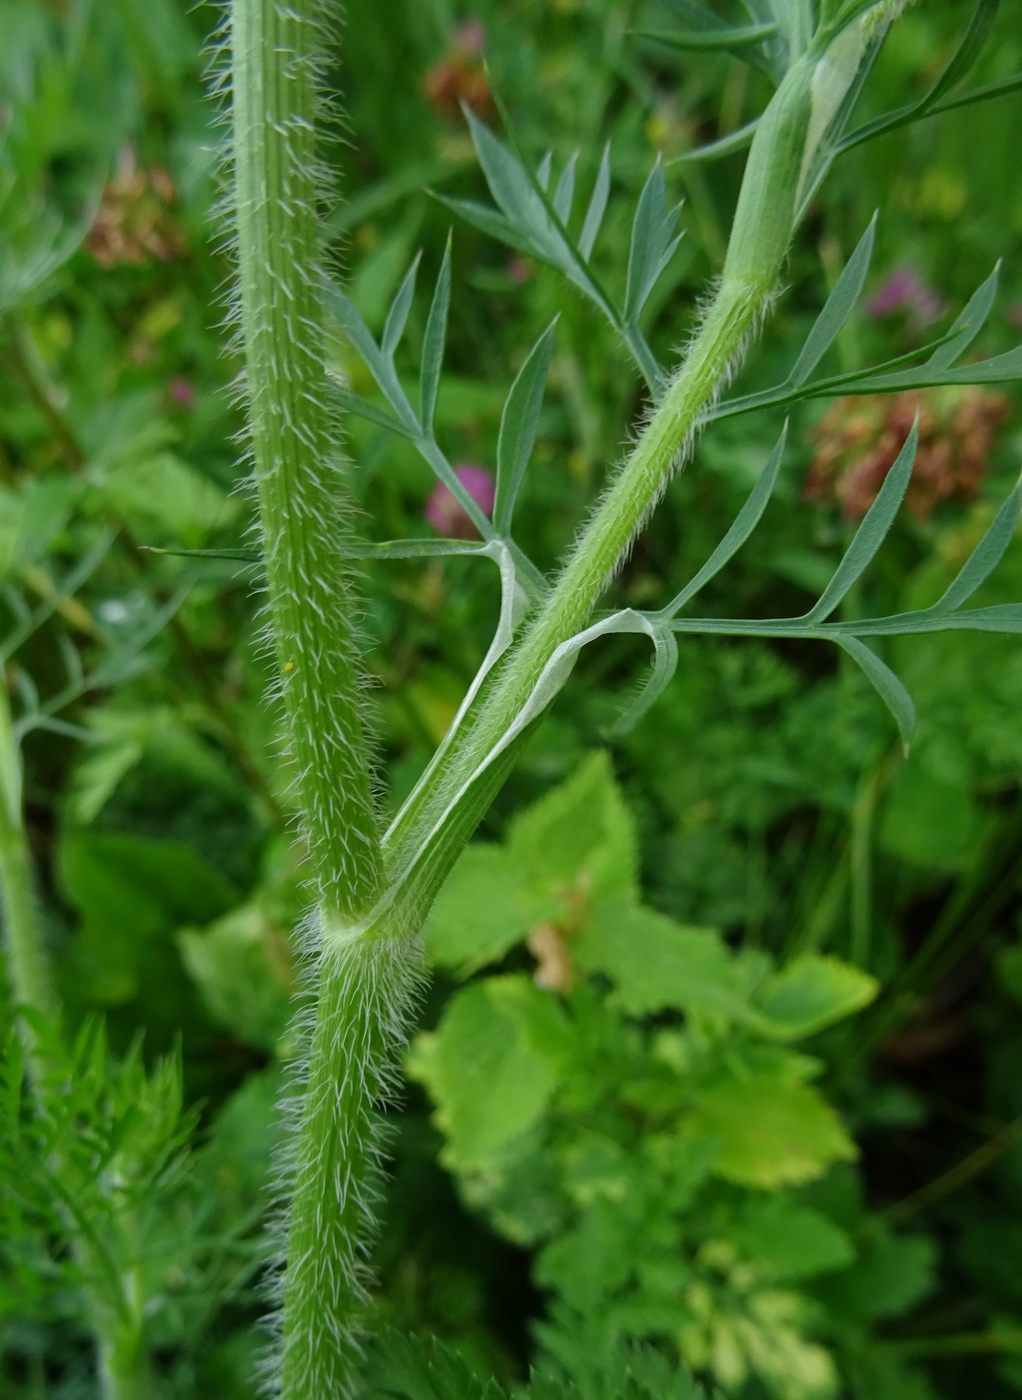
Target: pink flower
x=445 y=514
x=1014 y=314
x=181 y=392
x=905 y=290
x=470 y=36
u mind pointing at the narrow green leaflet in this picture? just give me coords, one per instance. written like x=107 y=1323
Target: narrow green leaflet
x=742 y=527
x=872 y=532
x=837 y=309
x=433 y=343
x=931 y=102
x=564 y=195
x=986 y=556
x=518 y=427
x=969 y=323
x=724 y=146
x=886 y=683
x=653 y=243
x=729 y=39
x=397 y=316
x=597 y=206
x=708 y=31
x=665 y=664
x=515 y=193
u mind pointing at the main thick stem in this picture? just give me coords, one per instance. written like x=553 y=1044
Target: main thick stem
x=365 y=937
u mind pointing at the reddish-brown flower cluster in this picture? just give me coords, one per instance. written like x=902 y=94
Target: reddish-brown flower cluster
x=459 y=76
x=134 y=222
x=859 y=439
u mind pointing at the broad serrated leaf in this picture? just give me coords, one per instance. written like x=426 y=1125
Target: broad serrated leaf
x=787 y=1239
x=397 y=316
x=986 y=556
x=597 y=206
x=810 y=993
x=837 y=309
x=653 y=242
x=744 y=523
x=492 y=1065
x=872 y=532
x=772 y=1129
x=657 y=964
x=886 y=683
x=483 y=909
x=578 y=837
x=518 y=426
x=433 y=343
x=403 y=1367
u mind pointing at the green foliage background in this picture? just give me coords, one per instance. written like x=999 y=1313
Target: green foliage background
x=762 y=1106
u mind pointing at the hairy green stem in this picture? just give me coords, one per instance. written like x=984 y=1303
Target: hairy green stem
x=366 y=936
x=304 y=519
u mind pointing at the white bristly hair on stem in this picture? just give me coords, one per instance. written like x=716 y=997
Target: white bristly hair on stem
x=362 y=947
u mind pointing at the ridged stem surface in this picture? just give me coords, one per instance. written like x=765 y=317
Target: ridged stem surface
x=298 y=467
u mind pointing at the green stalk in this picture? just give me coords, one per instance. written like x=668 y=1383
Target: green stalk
x=366 y=934
x=364 y=984
x=303 y=513
x=28 y=969
x=120 y=1355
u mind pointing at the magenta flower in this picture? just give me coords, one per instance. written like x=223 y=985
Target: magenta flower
x=905 y=290
x=181 y=392
x=445 y=514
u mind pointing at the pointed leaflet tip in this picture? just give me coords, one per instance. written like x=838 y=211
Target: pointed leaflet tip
x=837 y=308
x=886 y=683
x=742 y=527
x=518 y=427
x=873 y=530
x=434 y=341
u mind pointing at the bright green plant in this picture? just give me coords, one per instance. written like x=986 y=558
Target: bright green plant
x=373 y=888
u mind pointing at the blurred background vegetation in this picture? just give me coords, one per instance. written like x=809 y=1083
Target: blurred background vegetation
x=768 y=793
